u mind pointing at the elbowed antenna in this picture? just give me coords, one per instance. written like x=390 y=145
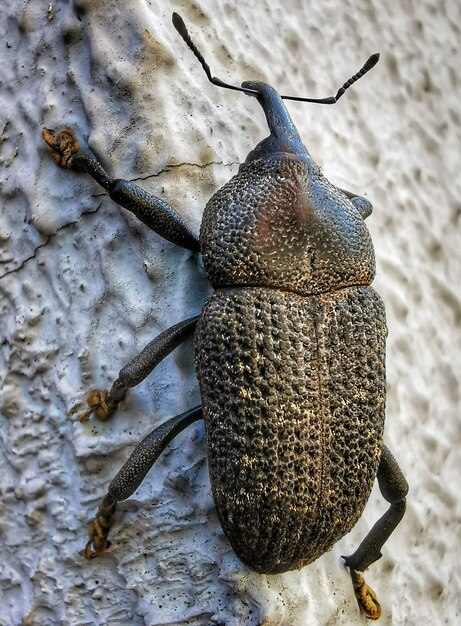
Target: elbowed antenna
x=180 y=26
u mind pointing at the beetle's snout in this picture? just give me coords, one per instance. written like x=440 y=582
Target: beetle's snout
x=284 y=136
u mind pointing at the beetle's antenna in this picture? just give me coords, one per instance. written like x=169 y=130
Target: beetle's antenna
x=178 y=23
x=180 y=26
x=370 y=63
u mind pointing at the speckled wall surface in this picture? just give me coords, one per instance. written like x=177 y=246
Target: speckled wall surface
x=83 y=287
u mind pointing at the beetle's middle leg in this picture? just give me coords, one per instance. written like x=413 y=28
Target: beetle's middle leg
x=154 y=212
x=131 y=476
x=103 y=403
x=394 y=488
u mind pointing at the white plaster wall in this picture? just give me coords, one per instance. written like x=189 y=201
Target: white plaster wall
x=83 y=287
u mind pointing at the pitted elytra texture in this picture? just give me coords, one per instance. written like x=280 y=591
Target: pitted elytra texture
x=293 y=399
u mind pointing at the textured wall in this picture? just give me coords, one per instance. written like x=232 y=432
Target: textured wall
x=83 y=287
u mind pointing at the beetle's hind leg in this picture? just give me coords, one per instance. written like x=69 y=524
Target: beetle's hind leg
x=103 y=403
x=394 y=488
x=131 y=476
x=154 y=212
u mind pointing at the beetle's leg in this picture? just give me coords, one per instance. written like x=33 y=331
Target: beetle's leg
x=363 y=206
x=394 y=488
x=103 y=403
x=131 y=476
x=153 y=211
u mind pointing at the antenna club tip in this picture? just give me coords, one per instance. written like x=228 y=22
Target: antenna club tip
x=374 y=58
x=178 y=22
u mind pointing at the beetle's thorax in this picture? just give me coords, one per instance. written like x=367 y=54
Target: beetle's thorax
x=280 y=224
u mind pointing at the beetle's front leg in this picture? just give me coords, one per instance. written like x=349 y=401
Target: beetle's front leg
x=131 y=476
x=154 y=212
x=103 y=403
x=394 y=488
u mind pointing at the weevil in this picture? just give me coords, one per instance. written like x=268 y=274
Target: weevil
x=289 y=353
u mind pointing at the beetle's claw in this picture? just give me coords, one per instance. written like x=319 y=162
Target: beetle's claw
x=100 y=405
x=366 y=597
x=63 y=144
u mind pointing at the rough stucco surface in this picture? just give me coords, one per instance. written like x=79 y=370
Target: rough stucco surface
x=83 y=287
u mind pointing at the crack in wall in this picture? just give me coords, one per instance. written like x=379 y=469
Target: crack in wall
x=183 y=164
x=99 y=195
x=46 y=242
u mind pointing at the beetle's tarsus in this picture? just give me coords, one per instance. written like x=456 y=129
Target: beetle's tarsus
x=366 y=597
x=101 y=405
x=99 y=528
x=67 y=153
x=63 y=144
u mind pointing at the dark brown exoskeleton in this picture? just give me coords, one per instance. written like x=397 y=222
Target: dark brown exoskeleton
x=289 y=354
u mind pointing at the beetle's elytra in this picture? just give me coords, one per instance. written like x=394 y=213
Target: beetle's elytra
x=289 y=354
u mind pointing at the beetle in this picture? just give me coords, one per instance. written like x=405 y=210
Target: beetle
x=289 y=352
